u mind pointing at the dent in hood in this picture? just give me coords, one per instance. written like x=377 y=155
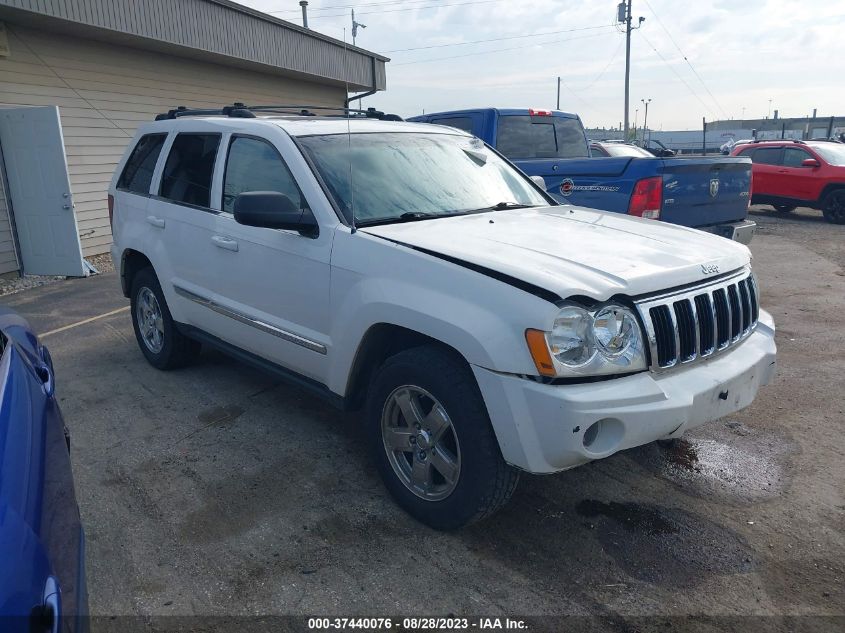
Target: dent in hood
x=573 y=251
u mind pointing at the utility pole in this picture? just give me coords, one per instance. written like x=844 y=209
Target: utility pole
x=355 y=26
x=627 y=62
x=645 y=119
x=624 y=15
x=558 y=93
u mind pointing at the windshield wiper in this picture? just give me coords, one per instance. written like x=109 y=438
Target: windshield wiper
x=410 y=216
x=414 y=216
x=501 y=206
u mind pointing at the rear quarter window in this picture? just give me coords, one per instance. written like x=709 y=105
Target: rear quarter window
x=138 y=172
x=524 y=136
x=766 y=155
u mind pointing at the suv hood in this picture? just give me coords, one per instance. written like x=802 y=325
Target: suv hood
x=573 y=251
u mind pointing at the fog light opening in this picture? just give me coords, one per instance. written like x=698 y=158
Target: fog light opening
x=591 y=434
x=603 y=436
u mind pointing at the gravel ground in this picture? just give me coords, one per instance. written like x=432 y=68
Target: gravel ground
x=102 y=263
x=215 y=490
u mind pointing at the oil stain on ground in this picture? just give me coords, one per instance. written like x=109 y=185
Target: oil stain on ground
x=665 y=546
x=729 y=461
x=607 y=537
x=220 y=416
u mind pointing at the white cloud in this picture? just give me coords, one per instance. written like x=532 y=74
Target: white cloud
x=745 y=52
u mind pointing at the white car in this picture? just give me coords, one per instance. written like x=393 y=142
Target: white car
x=410 y=270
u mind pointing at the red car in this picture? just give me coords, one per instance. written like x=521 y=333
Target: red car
x=789 y=174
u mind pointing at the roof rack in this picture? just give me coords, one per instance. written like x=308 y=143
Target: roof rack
x=240 y=111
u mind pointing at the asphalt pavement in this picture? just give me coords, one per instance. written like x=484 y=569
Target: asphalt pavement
x=216 y=490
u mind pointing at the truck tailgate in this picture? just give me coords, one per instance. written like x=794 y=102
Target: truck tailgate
x=701 y=191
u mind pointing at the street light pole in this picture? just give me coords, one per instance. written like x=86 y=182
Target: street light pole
x=645 y=119
x=558 y=93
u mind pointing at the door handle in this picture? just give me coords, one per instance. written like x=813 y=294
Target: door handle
x=157 y=222
x=225 y=242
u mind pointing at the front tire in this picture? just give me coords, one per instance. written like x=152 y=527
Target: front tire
x=833 y=207
x=784 y=208
x=432 y=440
x=160 y=341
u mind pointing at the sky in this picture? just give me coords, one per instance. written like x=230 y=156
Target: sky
x=718 y=59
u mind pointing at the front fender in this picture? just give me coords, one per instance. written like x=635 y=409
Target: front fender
x=483 y=318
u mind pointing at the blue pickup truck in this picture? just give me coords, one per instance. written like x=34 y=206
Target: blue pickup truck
x=708 y=193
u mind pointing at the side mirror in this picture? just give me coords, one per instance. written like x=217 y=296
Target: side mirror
x=273 y=210
x=539 y=181
x=810 y=162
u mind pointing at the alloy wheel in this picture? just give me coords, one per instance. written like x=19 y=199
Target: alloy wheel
x=150 y=323
x=421 y=444
x=835 y=207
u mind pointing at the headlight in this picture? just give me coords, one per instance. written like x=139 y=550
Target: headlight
x=589 y=342
x=569 y=340
x=615 y=329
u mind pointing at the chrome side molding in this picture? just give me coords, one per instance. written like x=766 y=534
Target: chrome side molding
x=290 y=337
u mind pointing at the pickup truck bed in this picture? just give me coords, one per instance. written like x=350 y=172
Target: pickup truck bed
x=697 y=191
x=700 y=192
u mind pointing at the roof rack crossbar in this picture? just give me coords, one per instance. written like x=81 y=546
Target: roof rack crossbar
x=239 y=110
x=306 y=110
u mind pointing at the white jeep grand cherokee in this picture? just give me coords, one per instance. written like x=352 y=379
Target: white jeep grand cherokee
x=411 y=270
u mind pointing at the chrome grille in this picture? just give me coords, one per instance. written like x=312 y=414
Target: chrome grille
x=696 y=323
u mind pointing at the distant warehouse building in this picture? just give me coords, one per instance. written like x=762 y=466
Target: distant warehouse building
x=95 y=69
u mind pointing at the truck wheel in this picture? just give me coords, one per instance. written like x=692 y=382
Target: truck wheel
x=833 y=207
x=432 y=441
x=161 y=343
x=784 y=208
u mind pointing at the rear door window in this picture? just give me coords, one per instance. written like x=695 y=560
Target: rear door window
x=524 y=136
x=138 y=172
x=793 y=157
x=190 y=165
x=461 y=122
x=255 y=165
x=766 y=155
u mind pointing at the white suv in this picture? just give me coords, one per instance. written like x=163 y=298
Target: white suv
x=410 y=270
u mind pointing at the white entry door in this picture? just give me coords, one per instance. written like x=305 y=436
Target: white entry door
x=39 y=188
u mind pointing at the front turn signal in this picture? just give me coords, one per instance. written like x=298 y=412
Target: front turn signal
x=539 y=349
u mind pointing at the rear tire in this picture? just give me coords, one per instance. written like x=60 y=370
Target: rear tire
x=784 y=208
x=833 y=207
x=425 y=417
x=160 y=341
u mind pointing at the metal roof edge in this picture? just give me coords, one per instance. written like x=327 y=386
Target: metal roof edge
x=229 y=4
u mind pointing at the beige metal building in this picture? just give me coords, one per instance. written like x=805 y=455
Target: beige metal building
x=101 y=67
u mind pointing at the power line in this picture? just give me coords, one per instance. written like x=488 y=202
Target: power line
x=601 y=74
x=497 y=39
x=682 y=80
x=695 y=72
x=498 y=50
x=66 y=83
x=436 y=6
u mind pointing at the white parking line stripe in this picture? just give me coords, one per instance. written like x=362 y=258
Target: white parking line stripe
x=83 y=322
